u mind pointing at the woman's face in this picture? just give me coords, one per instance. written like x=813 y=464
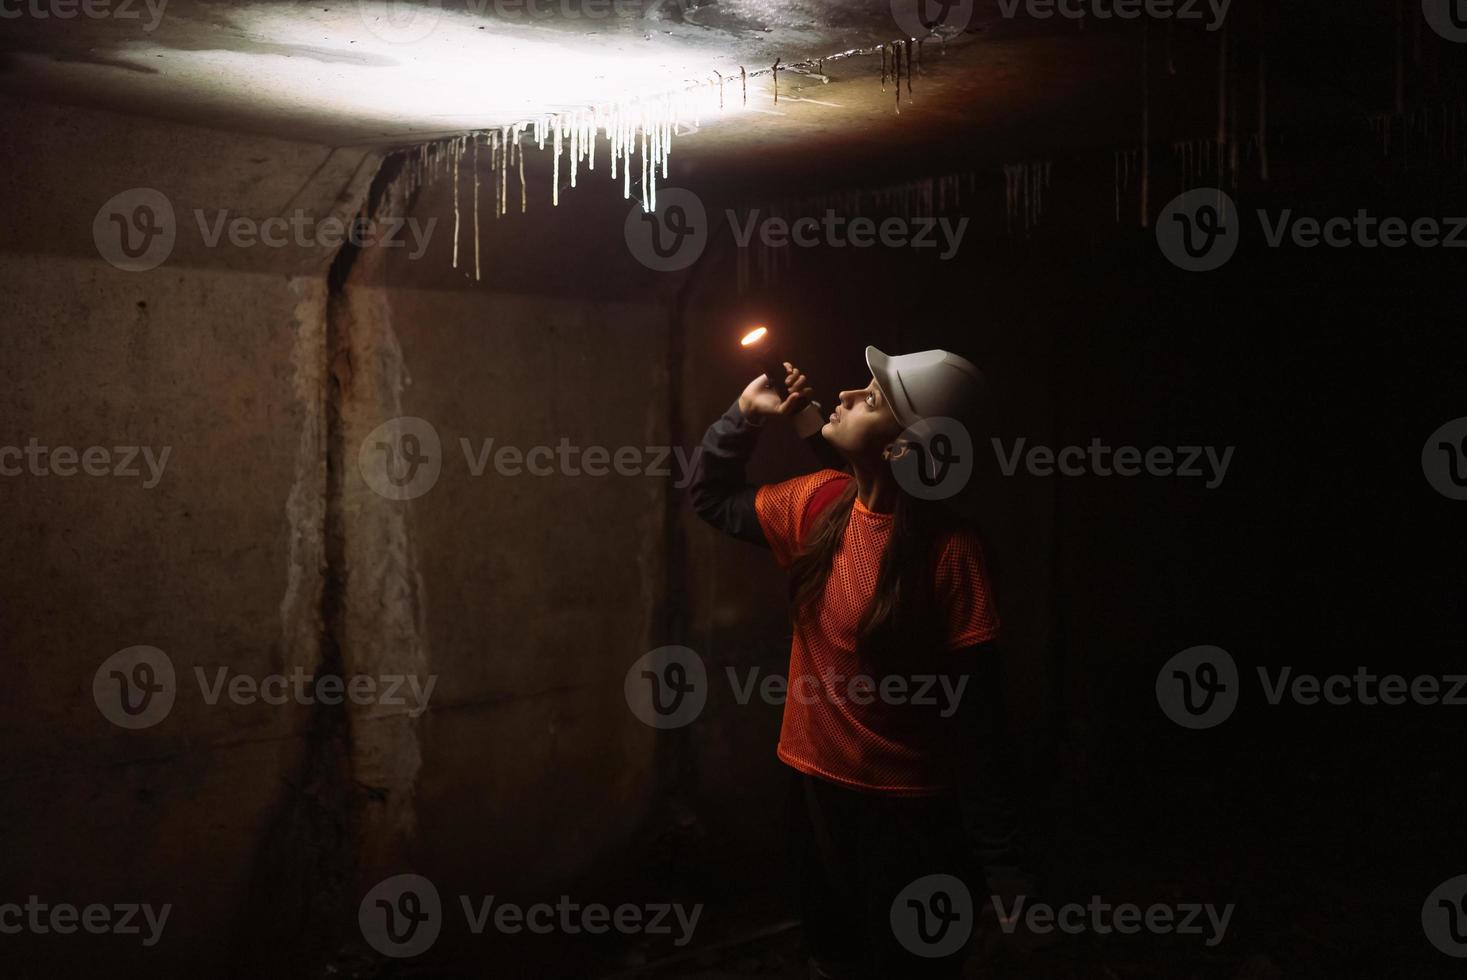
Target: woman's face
x=862 y=425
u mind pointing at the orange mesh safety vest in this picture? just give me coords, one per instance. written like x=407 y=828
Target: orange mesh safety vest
x=838 y=723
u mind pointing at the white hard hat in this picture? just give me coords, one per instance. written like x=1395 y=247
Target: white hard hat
x=930 y=384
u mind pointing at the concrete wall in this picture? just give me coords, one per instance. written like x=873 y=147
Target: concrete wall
x=261 y=550
x=213 y=357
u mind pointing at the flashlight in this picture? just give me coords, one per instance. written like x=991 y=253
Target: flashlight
x=756 y=342
x=810 y=420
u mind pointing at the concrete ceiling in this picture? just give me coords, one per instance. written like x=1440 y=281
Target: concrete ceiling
x=399 y=71
x=392 y=73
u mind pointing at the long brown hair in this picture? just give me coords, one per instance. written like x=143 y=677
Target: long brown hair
x=903 y=609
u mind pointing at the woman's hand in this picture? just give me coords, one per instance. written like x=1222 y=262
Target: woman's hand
x=759 y=399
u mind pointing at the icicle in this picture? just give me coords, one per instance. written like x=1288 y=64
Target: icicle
x=455 y=203
x=744 y=80
x=575 y=149
x=882 y=49
x=896 y=73
x=555 y=169
x=775 y=74
x=476 y=207
x=643 y=129
x=524 y=196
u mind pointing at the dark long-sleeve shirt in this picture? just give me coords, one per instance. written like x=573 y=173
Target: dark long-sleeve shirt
x=721 y=494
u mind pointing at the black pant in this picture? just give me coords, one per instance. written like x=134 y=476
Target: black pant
x=855 y=853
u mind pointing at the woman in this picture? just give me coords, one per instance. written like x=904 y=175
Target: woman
x=891 y=611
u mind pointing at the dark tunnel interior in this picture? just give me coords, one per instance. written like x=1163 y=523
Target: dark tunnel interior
x=357 y=438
